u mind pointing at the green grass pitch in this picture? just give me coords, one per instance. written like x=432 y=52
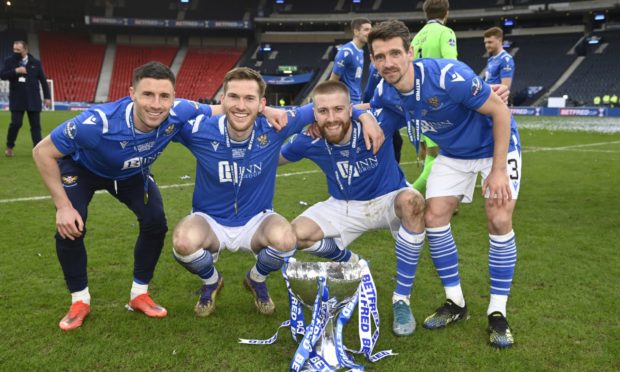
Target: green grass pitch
x=563 y=308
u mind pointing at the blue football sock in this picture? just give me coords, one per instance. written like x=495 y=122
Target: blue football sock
x=269 y=260
x=327 y=248
x=502 y=260
x=408 y=248
x=444 y=254
x=199 y=263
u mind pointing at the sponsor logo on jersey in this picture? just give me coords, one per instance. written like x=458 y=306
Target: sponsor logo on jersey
x=238 y=153
x=169 y=130
x=145 y=146
x=435 y=126
x=361 y=166
x=215 y=145
x=228 y=170
x=344 y=153
x=263 y=140
x=91 y=120
x=70 y=130
x=476 y=86
x=69 y=181
x=123 y=144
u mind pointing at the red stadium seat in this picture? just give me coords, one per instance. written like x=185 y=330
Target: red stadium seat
x=128 y=57
x=203 y=70
x=75 y=71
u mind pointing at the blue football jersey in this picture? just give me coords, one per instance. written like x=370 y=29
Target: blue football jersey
x=444 y=99
x=104 y=140
x=498 y=67
x=236 y=181
x=371 y=175
x=349 y=65
x=371 y=84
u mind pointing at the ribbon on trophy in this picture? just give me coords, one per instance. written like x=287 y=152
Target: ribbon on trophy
x=306 y=353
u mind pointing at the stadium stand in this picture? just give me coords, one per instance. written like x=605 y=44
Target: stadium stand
x=156 y=9
x=233 y=11
x=202 y=71
x=306 y=56
x=6 y=43
x=597 y=74
x=472 y=52
x=73 y=62
x=540 y=61
x=129 y=57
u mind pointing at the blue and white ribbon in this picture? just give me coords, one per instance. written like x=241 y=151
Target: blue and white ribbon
x=366 y=297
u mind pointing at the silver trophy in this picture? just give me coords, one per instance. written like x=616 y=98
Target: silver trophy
x=342 y=281
x=331 y=291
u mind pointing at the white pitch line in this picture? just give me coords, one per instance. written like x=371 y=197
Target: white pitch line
x=572 y=147
x=536 y=149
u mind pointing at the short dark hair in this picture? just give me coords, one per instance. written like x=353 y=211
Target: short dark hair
x=494 y=31
x=358 y=22
x=388 y=30
x=153 y=70
x=436 y=9
x=330 y=86
x=245 y=73
x=22 y=42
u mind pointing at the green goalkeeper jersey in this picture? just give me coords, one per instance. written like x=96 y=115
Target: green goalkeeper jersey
x=434 y=41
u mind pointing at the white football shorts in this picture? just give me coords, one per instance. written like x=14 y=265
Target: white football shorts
x=346 y=221
x=236 y=237
x=457 y=177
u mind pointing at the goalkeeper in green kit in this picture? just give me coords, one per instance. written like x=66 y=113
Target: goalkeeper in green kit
x=434 y=40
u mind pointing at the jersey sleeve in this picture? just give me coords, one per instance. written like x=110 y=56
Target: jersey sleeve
x=386 y=97
x=464 y=86
x=371 y=84
x=295 y=149
x=341 y=61
x=507 y=68
x=187 y=110
x=388 y=120
x=298 y=118
x=448 y=44
x=82 y=131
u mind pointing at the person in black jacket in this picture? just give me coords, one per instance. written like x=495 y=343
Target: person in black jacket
x=24 y=73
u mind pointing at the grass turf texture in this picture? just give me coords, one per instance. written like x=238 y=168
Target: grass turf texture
x=563 y=308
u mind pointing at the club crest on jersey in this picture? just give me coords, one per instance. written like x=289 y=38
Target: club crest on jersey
x=69 y=181
x=476 y=86
x=433 y=101
x=123 y=144
x=263 y=140
x=169 y=130
x=452 y=42
x=70 y=130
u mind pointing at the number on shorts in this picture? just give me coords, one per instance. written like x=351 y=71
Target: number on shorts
x=514 y=169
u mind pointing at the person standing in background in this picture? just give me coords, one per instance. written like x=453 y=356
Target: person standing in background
x=349 y=61
x=24 y=73
x=500 y=66
x=435 y=40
